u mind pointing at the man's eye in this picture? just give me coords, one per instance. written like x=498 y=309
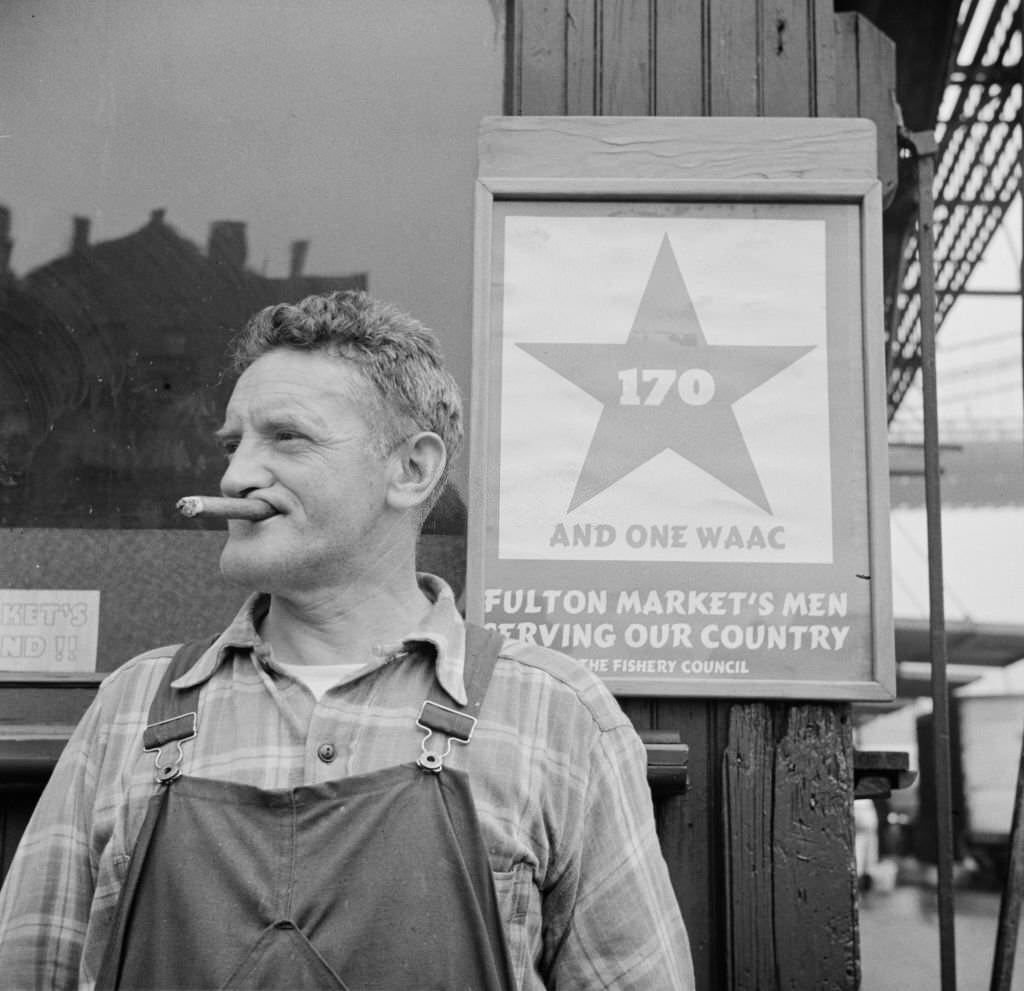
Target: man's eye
x=229 y=446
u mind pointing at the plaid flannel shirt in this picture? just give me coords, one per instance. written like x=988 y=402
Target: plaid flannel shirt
x=556 y=769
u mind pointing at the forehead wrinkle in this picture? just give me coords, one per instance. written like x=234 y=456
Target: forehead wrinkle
x=284 y=393
x=282 y=404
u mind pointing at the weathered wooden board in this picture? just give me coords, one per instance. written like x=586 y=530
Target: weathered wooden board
x=691 y=57
x=789 y=834
x=657 y=148
x=866 y=87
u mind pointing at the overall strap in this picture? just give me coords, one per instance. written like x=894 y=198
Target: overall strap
x=173 y=713
x=457 y=722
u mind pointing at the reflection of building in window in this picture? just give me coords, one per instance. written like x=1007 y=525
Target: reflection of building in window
x=41 y=370
x=110 y=369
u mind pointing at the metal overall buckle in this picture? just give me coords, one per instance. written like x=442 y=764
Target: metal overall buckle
x=454 y=725
x=159 y=736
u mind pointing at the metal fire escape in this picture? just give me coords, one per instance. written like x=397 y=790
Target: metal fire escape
x=978 y=173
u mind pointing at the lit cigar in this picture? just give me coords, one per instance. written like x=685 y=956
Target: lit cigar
x=220 y=508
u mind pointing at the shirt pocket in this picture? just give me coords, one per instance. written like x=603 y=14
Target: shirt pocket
x=515 y=891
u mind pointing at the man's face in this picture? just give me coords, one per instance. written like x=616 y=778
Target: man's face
x=297 y=437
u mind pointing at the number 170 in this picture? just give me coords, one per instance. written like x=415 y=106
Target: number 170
x=695 y=386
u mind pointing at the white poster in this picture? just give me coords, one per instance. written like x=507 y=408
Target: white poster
x=665 y=390
x=49 y=631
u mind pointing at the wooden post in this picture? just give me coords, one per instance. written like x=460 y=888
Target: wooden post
x=761 y=845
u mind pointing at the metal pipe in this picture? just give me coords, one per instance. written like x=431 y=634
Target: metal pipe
x=925 y=148
x=1013 y=888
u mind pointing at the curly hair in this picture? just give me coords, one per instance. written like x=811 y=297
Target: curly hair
x=408 y=387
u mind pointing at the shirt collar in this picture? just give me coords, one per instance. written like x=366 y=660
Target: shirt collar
x=442 y=628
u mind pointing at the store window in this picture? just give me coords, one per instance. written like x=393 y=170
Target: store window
x=166 y=169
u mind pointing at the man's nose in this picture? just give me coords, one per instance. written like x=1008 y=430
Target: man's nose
x=245 y=471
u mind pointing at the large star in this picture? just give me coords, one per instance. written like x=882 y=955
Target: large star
x=666 y=388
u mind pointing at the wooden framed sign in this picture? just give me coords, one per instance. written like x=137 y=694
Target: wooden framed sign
x=678 y=436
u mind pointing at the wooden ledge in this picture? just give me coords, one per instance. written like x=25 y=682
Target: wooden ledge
x=878 y=773
x=667 y=762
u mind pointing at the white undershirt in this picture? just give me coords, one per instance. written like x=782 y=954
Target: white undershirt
x=318 y=678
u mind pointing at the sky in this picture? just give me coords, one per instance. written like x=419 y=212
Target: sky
x=978 y=350
x=980 y=396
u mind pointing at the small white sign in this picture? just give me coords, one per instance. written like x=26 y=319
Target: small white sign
x=49 y=630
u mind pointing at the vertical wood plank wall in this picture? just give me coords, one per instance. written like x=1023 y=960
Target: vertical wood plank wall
x=761 y=845
x=673 y=57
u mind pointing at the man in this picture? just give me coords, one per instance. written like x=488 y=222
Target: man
x=310 y=801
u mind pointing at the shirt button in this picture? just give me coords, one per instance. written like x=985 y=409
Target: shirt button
x=326 y=752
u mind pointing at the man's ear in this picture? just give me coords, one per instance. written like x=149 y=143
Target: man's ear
x=419 y=463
